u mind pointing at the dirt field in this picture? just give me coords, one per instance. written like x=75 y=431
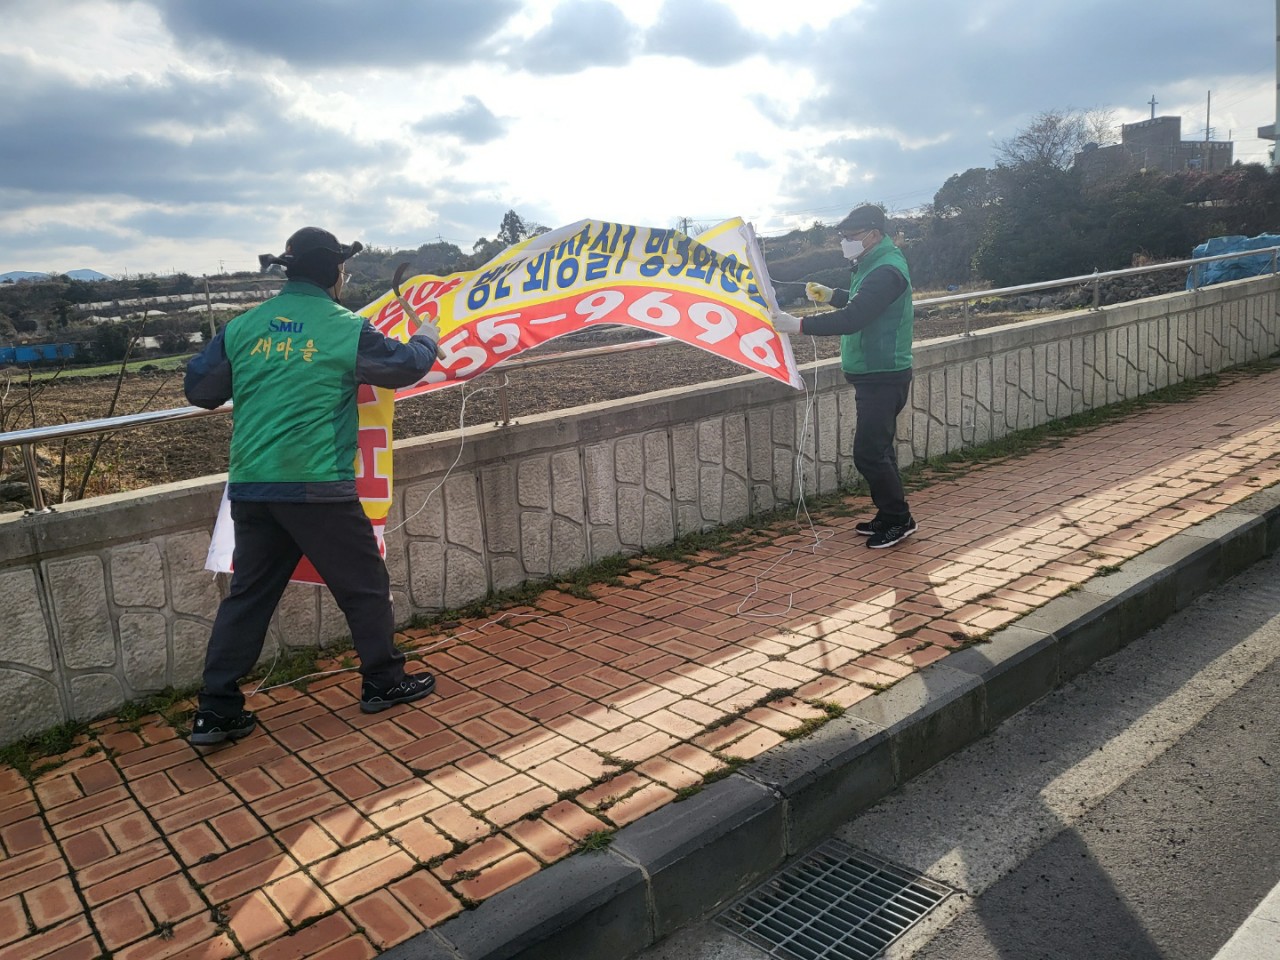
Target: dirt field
x=180 y=451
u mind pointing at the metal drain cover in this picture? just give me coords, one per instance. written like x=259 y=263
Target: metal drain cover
x=835 y=904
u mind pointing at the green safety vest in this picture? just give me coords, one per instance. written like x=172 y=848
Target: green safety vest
x=293 y=361
x=884 y=345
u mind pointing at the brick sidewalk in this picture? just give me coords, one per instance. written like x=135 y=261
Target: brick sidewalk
x=331 y=834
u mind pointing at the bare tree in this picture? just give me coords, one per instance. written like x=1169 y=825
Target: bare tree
x=1054 y=137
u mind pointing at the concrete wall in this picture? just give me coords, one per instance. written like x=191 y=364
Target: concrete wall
x=106 y=600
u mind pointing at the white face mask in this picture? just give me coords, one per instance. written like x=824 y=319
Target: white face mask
x=852 y=249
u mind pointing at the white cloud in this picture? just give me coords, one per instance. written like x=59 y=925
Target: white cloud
x=162 y=133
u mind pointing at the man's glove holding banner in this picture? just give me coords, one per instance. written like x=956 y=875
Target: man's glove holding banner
x=817 y=292
x=427 y=329
x=786 y=323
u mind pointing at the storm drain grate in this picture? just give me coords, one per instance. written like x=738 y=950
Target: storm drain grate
x=835 y=904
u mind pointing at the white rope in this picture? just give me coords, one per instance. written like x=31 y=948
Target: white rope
x=802 y=506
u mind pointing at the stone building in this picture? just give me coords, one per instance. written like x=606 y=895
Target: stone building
x=1154 y=145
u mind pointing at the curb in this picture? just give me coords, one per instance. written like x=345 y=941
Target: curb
x=683 y=861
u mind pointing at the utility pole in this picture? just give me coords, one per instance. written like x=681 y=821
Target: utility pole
x=1269 y=131
x=1153 y=101
x=208 y=304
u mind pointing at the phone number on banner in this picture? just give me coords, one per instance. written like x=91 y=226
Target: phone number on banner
x=482 y=343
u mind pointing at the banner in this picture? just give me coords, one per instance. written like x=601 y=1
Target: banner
x=703 y=292
x=712 y=293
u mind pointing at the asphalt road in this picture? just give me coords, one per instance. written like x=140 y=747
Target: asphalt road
x=1133 y=814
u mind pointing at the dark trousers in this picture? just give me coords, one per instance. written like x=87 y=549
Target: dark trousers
x=878 y=405
x=270 y=540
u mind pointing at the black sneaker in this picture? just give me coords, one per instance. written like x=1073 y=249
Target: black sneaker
x=892 y=533
x=869 y=528
x=406 y=691
x=208 y=727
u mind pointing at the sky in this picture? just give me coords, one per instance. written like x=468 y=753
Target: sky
x=154 y=136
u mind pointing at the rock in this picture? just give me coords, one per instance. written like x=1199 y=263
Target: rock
x=17 y=491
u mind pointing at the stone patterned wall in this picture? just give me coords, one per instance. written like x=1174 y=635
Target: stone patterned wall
x=107 y=601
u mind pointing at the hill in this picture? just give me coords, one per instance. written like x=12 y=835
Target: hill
x=18 y=276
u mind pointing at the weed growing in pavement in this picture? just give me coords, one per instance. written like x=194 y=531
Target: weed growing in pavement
x=292 y=667
x=684 y=793
x=805 y=728
x=596 y=840
x=734 y=715
x=25 y=755
x=608 y=571
x=172 y=705
x=728 y=765
x=622 y=765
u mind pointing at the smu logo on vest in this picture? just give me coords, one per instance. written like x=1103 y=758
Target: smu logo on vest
x=284 y=325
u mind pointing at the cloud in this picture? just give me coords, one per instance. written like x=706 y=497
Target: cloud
x=202 y=221
x=179 y=139
x=473 y=122
x=582 y=34
x=953 y=67
x=320 y=34
x=703 y=31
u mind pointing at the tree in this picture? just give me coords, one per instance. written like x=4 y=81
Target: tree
x=513 y=229
x=171 y=337
x=1039 y=231
x=482 y=251
x=1054 y=137
x=111 y=341
x=439 y=258
x=975 y=189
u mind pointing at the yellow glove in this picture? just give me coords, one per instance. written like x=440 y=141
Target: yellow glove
x=817 y=292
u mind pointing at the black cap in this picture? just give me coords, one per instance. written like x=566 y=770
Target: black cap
x=312 y=240
x=866 y=217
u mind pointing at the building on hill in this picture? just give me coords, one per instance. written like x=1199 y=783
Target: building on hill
x=1153 y=146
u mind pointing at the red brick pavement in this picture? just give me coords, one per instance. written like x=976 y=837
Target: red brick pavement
x=333 y=834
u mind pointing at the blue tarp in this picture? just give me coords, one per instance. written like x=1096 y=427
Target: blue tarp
x=1220 y=271
x=37 y=353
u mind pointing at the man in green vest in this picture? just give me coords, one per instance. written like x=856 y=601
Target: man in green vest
x=293 y=366
x=874 y=321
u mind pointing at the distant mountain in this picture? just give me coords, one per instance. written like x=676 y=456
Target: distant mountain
x=16 y=276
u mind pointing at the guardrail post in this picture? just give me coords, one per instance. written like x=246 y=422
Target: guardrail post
x=1195 y=276
x=965 y=305
x=503 y=405
x=1274 y=250
x=1097 y=292
x=33 y=479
